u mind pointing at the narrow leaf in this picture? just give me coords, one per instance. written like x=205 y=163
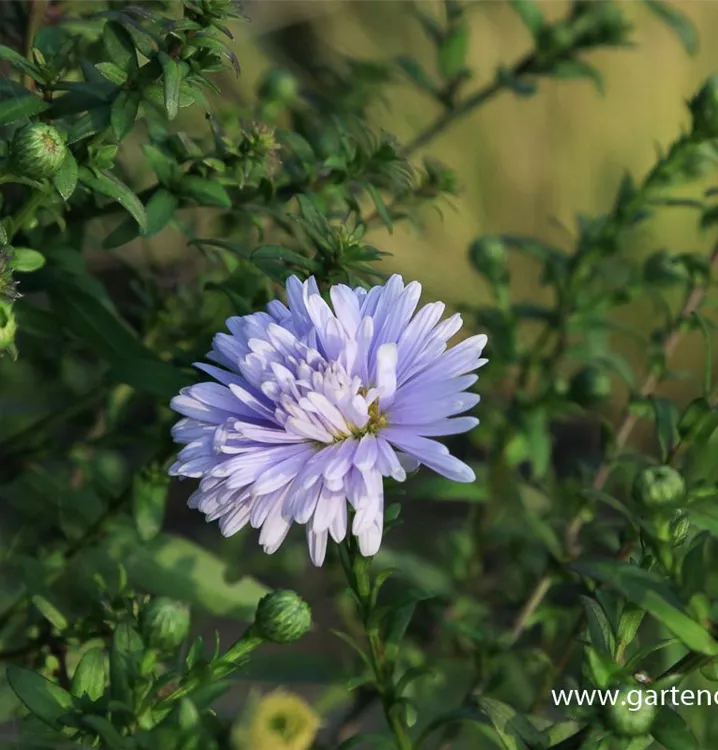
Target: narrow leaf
x=12 y=110
x=44 y=699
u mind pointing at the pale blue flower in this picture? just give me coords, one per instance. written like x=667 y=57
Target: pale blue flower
x=315 y=404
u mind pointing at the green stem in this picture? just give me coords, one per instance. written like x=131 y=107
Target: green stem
x=357 y=569
x=465 y=107
x=32 y=204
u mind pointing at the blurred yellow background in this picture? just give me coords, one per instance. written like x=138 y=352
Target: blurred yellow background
x=526 y=165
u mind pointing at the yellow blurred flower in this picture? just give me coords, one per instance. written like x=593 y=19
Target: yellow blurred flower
x=283 y=721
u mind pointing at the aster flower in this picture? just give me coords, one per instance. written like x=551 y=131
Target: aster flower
x=316 y=403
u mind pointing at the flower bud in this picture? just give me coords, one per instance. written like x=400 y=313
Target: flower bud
x=37 y=151
x=629 y=716
x=165 y=623
x=659 y=486
x=280 y=86
x=664 y=269
x=8 y=285
x=282 y=617
x=8 y=326
x=490 y=257
x=589 y=387
x=704 y=109
x=283 y=721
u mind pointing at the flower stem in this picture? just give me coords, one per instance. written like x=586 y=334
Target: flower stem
x=357 y=570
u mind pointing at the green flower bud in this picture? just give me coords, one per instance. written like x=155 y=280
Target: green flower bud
x=165 y=623
x=664 y=269
x=659 y=486
x=8 y=326
x=283 y=616
x=37 y=151
x=280 y=86
x=490 y=257
x=589 y=387
x=704 y=109
x=629 y=716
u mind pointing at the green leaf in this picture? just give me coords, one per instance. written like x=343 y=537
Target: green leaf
x=120 y=46
x=12 y=110
x=50 y=612
x=90 y=123
x=520 y=86
x=671 y=731
x=65 y=179
x=397 y=623
x=578 y=69
x=650 y=592
x=704 y=326
x=149 y=499
x=452 y=51
x=172 y=80
x=18 y=61
x=124 y=113
x=176 y=567
x=160 y=210
x=206 y=192
x=165 y=167
x=678 y=22
x=112 y=72
x=125 y=653
x=109 y=185
x=666 y=416
x=86 y=317
x=599 y=626
x=111 y=738
x=530 y=13
x=381 y=209
x=25 y=260
x=44 y=699
x=416 y=73
x=510 y=726
x=150 y=375
x=90 y=677
x=123 y=233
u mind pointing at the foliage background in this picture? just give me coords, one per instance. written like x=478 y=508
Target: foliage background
x=526 y=166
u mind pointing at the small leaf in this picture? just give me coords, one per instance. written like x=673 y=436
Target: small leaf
x=666 y=416
x=124 y=113
x=125 y=653
x=599 y=626
x=578 y=69
x=90 y=677
x=205 y=192
x=171 y=79
x=160 y=210
x=530 y=13
x=109 y=185
x=50 y=612
x=452 y=51
x=381 y=208
x=12 y=110
x=509 y=79
x=44 y=699
x=65 y=179
x=120 y=46
x=416 y=73
x=25 y=260
x=149 y=498
x=682 y=26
